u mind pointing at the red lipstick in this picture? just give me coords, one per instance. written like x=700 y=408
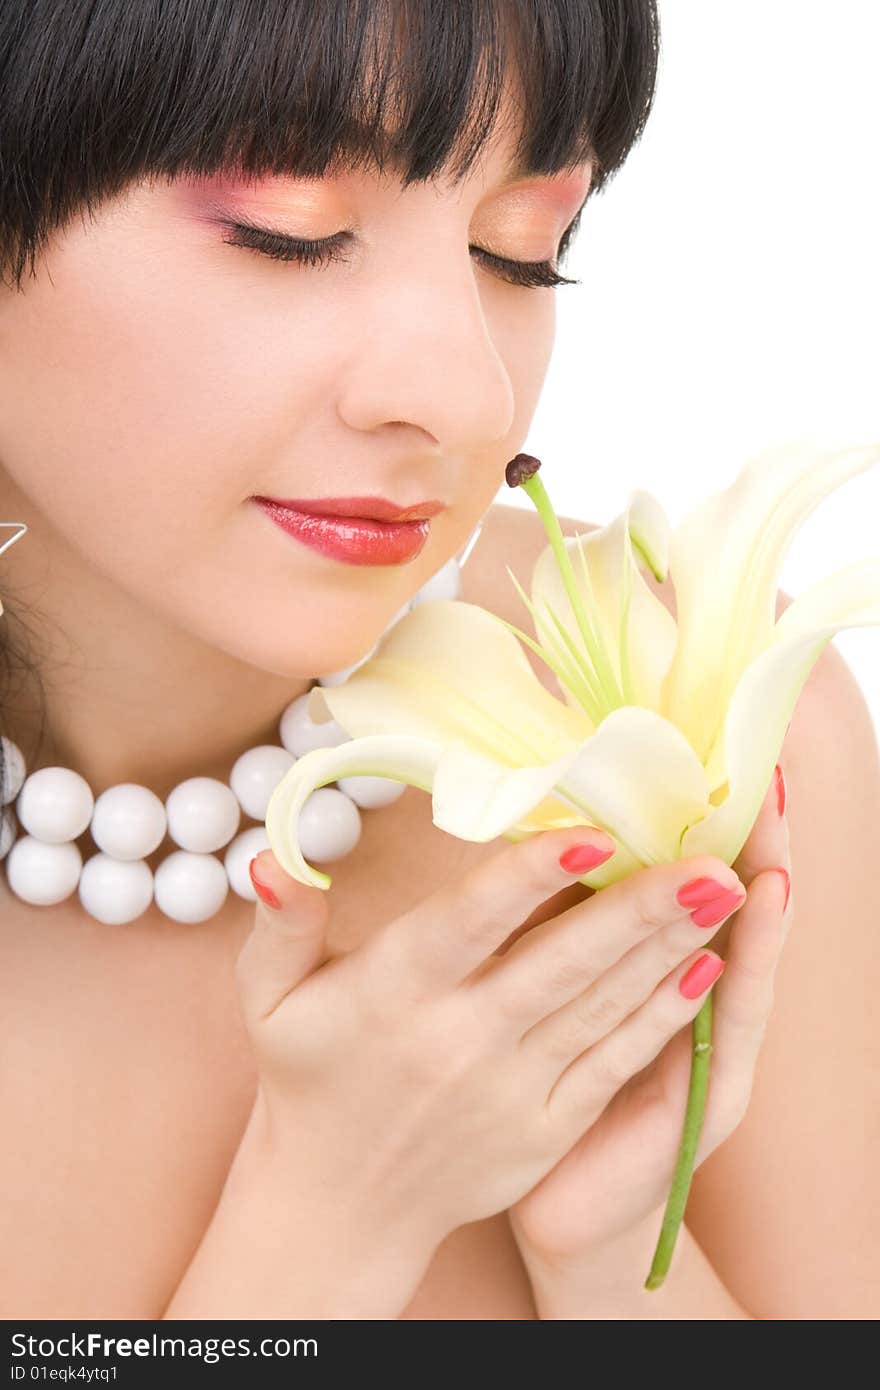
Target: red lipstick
x=374 y=508
x=356 y=530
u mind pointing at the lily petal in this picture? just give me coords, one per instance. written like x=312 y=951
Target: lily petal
x=639 y=779
x=764 y=700
x=848 y=598
x=402 y=758
x=451 y=671
x=634 y=627
x=476 y=798
x=725 y=559
x=650 y=532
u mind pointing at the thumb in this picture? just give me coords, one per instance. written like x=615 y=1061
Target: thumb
x=288 y=942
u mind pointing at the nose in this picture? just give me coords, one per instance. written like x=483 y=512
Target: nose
x=424 y=355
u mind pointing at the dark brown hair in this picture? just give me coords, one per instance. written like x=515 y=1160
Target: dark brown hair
x=98 y=94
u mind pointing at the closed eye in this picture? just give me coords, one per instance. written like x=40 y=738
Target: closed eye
x=280 y=247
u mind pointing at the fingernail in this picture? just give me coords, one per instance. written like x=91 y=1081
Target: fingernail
x=787 y=881
x=262 y=890
x=703 y=973
x=579 y=858
x=780 y=790
x=699 y=891
x=710 y=914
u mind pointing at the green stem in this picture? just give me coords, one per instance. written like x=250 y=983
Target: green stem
x=687 y=1152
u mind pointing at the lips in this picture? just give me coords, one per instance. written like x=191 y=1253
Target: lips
x=355 y=540
x=368 y=508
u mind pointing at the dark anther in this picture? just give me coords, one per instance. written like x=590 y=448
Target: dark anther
x=520 y=469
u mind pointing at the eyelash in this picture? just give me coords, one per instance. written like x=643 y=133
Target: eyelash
x=527 y=274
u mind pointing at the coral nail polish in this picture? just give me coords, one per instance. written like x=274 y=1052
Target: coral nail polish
x=703 y=973
x=780 y=790
x=787 y=881
x=699 y=891
x=579 y=858
x=711 y=913
x=262 y=890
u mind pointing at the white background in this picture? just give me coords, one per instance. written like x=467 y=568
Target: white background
x=730 y=277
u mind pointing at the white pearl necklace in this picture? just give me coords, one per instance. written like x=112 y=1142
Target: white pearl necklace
x=127 y=822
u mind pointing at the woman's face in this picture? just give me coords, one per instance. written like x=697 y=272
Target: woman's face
x=154 y=379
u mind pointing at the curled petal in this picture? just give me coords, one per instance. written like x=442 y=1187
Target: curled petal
x=402 y=758
x=649 y=532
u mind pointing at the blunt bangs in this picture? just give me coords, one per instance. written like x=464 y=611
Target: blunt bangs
x=98 y=94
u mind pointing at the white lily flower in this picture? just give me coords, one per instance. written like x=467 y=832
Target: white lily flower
x=667 y=729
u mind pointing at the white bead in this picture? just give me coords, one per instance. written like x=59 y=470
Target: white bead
x=445 y=584
x=128 y=822
x=203 y=815
x=14 y=770
x=55 y=805
x=329 y=825
x=300 y=734
x=371 y=792
x=115 y=890
x=43 y=873
x=8 y=830
x=239 y=855
x=256 y=774
x=190 y=887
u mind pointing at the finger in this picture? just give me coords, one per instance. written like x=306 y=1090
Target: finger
x=557 y=961
x=287 y=943
x=449 y=934
x=768 y=838
x=767 y=847
x=744 y=999
x=557 y=1039
x=586 y=1086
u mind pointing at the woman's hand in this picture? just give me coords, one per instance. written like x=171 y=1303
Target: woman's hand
x=423 y=1081
x=616 y=1178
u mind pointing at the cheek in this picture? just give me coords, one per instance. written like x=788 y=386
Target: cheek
x=523 y=328
x=525 y=335
x=147 y=390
